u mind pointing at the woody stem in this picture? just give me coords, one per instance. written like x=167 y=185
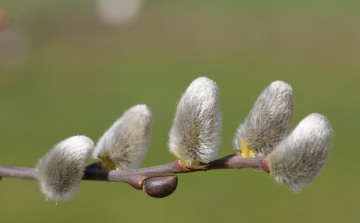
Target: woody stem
x=137 y=177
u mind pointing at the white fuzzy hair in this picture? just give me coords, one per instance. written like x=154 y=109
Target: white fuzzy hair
x=60 y=171
x=298 y=158
x=194 y=136
x=125 y=142
x=269 y=121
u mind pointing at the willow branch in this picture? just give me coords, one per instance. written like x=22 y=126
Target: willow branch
x=17 y=172
x=137 y=177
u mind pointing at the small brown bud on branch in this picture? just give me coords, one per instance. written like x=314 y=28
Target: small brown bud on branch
x=160 y=187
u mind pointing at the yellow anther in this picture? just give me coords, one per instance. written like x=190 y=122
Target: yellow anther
x=106 y=164
x=246 y=152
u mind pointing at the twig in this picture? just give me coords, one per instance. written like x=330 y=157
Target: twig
x=137 y=177
x=17 y=172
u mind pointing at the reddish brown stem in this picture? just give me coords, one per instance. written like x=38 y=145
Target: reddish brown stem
x=136 y=177
x=133 y=177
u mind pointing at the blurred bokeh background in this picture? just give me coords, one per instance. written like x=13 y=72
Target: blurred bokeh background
x=73 y=67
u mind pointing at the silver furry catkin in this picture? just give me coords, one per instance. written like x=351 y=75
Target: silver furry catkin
x=60 y=171
x=298 y=159
x=194 y=136
x=268 y=122
x=124 y=144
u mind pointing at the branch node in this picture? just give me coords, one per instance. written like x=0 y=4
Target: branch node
x=182 y=165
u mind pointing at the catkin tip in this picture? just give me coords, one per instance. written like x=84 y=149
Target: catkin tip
x=60 y=171
x=299 y=158
x=268 y=122
x=124 y=144
x=194 y=136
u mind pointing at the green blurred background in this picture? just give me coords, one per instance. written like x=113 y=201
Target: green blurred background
x=65 y=70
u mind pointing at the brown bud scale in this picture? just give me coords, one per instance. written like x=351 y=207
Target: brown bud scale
x=160 y=187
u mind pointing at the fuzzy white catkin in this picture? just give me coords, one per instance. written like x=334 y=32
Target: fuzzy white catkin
x=269 y=121
x=298 y=159
x=125 y=142
x=60 y=171
x=194 y=136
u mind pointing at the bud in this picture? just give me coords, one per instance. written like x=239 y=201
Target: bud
x=298 y=159
x=268 y=122
x=124 y=145
x=60 y=171
x=161 y=186
x=194 y=136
